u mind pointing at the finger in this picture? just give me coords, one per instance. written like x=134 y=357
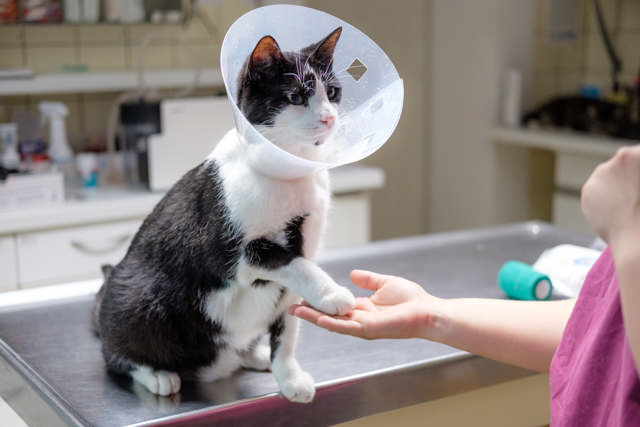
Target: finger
x=292 y=308
x=368 y=279
x=339 y=324
x=307 y=313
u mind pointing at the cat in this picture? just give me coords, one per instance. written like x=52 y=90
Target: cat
x=214 y=267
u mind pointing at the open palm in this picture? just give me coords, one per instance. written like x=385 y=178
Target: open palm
x=398 y=308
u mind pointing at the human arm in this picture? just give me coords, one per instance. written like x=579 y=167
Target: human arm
x=611 y=204
x=522 y=333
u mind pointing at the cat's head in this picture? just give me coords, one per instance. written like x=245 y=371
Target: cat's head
x=292 y=97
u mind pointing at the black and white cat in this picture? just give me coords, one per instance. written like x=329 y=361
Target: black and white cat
x=222 y=256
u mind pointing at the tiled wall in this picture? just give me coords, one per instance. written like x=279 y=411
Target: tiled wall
x=55 y=48
x=560 y=68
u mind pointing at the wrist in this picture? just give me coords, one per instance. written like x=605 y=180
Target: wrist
x=624 y=243
x=436 y=321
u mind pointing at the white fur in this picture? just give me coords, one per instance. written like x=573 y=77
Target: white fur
x=159 y=382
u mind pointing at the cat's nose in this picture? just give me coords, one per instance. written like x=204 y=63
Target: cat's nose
x=328 y=121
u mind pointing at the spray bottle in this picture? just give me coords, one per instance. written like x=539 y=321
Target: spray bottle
x=59 y=151
x=9 y=135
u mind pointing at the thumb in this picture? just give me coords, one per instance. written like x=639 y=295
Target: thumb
x=368 y=279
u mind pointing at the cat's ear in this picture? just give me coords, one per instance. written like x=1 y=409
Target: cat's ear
x=325 y=49
x=266 y=53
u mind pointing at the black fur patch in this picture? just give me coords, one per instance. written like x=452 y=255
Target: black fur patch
x=150 y=308
x=275 y=331
x=267 y=254
x=295 y=239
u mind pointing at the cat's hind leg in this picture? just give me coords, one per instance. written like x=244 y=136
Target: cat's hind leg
x=227 y=361
x=257 y=357
x=163 y=383
x=157 y=381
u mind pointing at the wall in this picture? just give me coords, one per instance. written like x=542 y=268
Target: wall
x=560 y=68
x=473 y=44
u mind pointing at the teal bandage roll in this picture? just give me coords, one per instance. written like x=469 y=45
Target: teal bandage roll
x=519 y=281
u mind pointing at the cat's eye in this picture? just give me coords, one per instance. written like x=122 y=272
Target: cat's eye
x=295 y=98
x=332 y=93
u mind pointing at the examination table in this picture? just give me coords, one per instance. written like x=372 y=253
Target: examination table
x=52 y=372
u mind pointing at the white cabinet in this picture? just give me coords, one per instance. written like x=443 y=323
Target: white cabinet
x=71 y=254
x=8 y=264
x=567 y=212
x=349 y=221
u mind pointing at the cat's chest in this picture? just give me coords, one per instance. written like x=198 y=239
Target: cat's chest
x=263 y=205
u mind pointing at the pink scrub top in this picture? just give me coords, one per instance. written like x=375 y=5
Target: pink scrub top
x=594 y=381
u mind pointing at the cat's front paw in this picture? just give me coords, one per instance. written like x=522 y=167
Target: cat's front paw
x=298 y=387
x=338 y=301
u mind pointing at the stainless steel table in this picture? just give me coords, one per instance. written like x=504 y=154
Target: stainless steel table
x=52 y=373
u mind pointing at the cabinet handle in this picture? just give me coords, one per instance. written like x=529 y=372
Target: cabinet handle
x=99 y=248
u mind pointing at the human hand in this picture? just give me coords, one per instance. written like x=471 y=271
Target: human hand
x=399 y=308
x=611 y=197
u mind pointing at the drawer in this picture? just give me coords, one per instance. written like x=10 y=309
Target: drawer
x=71 y=254
x=8 y=264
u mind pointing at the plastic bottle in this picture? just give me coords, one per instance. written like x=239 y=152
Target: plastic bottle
x=59 y=151
x=567 y=265
x=9 y=137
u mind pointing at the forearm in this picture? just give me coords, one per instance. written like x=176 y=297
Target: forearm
x=522 y=333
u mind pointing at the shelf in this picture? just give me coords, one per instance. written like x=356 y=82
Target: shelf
x=567 y=142
x=105 y=82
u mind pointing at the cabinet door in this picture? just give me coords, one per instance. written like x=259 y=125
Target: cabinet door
x=349 y=221
x=567 y=213
x=8 y=264
x=70 y=254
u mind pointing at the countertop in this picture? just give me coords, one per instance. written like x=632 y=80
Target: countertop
x=560 y=141
x=51 y=367
x=119 y=203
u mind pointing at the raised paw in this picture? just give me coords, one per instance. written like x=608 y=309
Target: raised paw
x=298 y=387
x=163 y=383
x=338 y=301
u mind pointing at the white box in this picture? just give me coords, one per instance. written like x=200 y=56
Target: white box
x=191 y=128
x=19 y=191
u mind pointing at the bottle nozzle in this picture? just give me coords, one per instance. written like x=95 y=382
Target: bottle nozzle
x=50 y=109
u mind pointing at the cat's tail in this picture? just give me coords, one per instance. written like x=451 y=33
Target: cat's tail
x=107 y=269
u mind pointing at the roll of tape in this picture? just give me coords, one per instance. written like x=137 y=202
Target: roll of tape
x=520 y=281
